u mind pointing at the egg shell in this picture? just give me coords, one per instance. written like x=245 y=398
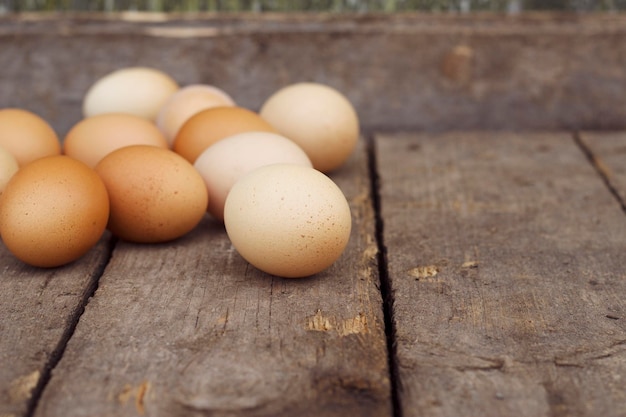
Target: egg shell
x=94 y=137
x=318 y=118
x=208 y=126
x=227 y=160
x=185 y=103
x=140 y=91
x=53 y=211
x=287 y=220
x=27 y=136
x=156 y=195
x=8 y=167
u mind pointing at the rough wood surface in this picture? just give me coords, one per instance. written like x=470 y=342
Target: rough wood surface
x=38 y=307
x=413 y=71
x=189 y=328
x=507 y=258
x=608 y=153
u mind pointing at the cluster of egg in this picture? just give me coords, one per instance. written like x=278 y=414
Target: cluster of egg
x=150 y=158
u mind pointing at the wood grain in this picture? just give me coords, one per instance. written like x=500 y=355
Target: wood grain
x=608 y=153
x=506 y=254
x=38 y=310
x=188 y=328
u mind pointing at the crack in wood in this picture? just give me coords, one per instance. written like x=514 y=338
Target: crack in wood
x=582 y=359
x=321 y=323
x=141 y=397
x=421 y=273
x=139 y=393
x=57 y=354
x=600 y=167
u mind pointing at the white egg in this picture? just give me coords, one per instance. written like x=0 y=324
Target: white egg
x=288 y=220
x=227 y=160
x=136 y=90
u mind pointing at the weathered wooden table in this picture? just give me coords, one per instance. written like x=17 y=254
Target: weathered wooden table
x=486 y=271
x=485 y=276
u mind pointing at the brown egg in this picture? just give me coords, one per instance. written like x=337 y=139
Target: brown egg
x=53 y=211
x=208 y=126
x=93 y=138
x=156 y=195
x=27 y=136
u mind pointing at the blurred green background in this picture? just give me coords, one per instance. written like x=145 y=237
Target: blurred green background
x=459 y=6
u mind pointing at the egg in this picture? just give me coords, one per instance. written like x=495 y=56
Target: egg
x=92 y=138
x=27 y=136
x=208 y=126
x=53 y=211
x=140 y=91
x=223 y=163
x=185 y=103
x=8 y=167
x=318 y=118
x=287 y=220
x=156 y=195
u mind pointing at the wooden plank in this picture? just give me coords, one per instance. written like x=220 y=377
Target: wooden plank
x=38 y=311
x=189 y=328
x=507 y=257
x=607 y=151
x=409 y=71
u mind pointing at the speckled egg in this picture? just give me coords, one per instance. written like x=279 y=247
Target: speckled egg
x=53 y=211
x=156 y=195
x=288 y=220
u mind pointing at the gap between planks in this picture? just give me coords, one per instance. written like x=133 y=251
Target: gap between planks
x=57 y=354
x=386 y=286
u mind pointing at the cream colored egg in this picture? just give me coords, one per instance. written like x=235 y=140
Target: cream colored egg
x=136 y=90
x=287 y=220
x=8 y=167
x=224 y=162
x=318 y=118
x=185 y=103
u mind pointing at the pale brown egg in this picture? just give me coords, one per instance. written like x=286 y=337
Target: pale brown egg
x=94 y=137
x=156 y=195
x=8 y=167
x=53 y=211
x=288 y=220
x=185 y=103
x=27 y=136
x=208 y=126
x=318 y=118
